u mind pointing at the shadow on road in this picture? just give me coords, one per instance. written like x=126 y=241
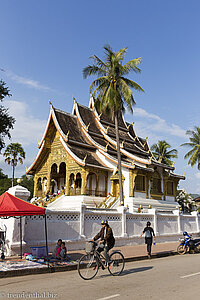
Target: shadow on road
x=135 y=270
x=127 y=272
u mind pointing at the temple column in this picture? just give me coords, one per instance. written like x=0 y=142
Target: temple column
x=147 y=180
x=35 y=186
x=97 y=185
x=164 y=187
x=84 y=182
x=106 y=184
x=175 y=184
x=132 y=177
x=67 y=187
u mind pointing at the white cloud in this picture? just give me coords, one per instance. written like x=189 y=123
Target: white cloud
x=158 y=124
x=27 y=81
x=197 y=175
x=27 y=128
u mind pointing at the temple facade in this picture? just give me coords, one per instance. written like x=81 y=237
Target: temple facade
x=77 y=160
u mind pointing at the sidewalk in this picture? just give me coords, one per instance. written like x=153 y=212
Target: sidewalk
x=131 y=253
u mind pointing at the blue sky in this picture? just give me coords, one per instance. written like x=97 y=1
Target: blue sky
x=46 y=44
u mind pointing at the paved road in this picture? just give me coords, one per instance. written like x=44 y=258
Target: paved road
x=174 y=278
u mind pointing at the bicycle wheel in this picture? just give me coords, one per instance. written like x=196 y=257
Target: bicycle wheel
x=181 y=249
x=88 y=266
x=117 y=263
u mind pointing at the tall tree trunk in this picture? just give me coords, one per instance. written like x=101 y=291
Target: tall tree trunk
x=13 y=175
x=121 y=195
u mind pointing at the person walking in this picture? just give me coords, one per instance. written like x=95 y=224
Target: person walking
x=149 y=235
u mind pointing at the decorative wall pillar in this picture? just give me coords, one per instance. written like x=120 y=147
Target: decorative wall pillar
x=82 y=220
x=195 y=213
x=155 y=221
x=177 y=213
x=122 y=210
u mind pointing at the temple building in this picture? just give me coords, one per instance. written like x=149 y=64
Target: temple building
x=77 y=160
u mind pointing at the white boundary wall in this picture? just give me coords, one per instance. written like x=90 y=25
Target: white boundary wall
x=75 y=227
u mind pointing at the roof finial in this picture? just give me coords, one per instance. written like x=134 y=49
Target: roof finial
x=50 y=103
x=67 y=135
x=150 y=160
x=173 y=163
x=26 y=168
x=87 y=127
x=184 y=174
x=74 y=99
x=145 y=142
x=38 y=142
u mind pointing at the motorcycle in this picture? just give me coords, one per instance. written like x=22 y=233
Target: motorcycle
x=187 y=244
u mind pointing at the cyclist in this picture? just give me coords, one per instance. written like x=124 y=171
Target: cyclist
x=107 y=240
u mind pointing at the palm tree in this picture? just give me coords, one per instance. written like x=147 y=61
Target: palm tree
x=161 y=153
x=194 y=153
x=111 y=91
x=14 y=153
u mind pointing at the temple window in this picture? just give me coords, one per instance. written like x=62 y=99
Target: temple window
x=44 y=184
x=54 y=169
x=140 y=183
x=102 y=186
x=62 y=169
x=91 y=184
x=71 y=181
x=78 y=180
x=170 y=188
x=156 y=187
x=39 y=184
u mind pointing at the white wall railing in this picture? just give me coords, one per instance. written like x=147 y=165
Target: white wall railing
x=75 y=227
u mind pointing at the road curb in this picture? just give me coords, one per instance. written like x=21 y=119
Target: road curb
x=32 y=271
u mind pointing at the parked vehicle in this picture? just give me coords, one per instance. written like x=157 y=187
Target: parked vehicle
x=188 y=244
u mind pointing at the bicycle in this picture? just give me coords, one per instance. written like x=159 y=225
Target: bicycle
x=90 y=262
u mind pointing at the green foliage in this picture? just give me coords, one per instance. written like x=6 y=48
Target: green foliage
x=112 y=91
x=185 y=200
x=2 y=175
x=27 y=182
x=194 y=144
x=161 y=153
x=13 y=154
x=6 y=121
x=5 y=184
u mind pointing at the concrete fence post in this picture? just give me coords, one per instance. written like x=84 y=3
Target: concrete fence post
x=153 y=212
x=177 y=213
x=122 y=210
x=195 y=213
x=82 y=220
